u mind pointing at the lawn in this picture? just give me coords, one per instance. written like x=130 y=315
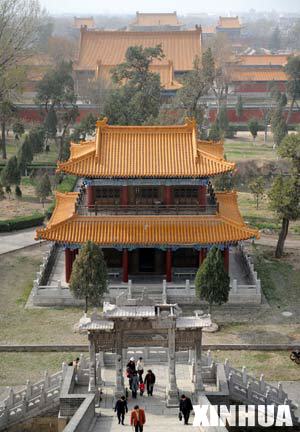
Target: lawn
x=237 y=150
x=12 y=149
x=35 y=326
x=263 y=217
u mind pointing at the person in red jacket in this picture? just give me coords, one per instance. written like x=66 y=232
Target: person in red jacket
x=138 y=419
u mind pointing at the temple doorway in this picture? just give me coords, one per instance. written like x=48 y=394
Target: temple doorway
x=146 y=260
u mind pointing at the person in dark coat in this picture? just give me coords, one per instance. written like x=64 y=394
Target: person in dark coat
x=149 y=381
x=134 y=385
x=130 y=369
x=185 y=407
x=121 y=408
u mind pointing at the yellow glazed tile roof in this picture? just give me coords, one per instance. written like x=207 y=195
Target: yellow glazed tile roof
x=258 y=74
x=81 y=22
x=109 y=47
x=229 y=22
x=146 y=152
x=156 y=19
x=227 y=226
x=263 y=60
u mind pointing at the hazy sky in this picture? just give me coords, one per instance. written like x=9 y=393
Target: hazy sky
x=181 y=6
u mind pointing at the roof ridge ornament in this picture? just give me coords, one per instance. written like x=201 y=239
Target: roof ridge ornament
x=100 y=124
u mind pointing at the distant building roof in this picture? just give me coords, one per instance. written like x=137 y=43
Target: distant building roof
x=258 y=74
x=156 y=19
x=87 y=22
x=208 y=29
x=262 y=60
x=109 y=47
x=229 y=23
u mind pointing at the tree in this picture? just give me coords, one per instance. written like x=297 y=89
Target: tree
x=215 y=132
x=136 y=97
x=284 y=200
x=222 y=120
x=10 y=174
x=275 y=40
x=278 y=125
x=239 y=107
x=18 y=129
x=56 y=95
x=194 y=87
x=87 y=126
x=285 y=192
x=37 y=136
x=257 y=188
x=7 y=112
x=25 y=155
x=253 y=127
x=292 y=69
x=43 y=188
x=212 y=282
x=89 y=275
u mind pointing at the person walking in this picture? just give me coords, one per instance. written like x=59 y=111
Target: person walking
x=121 y=408
x=185 y=407
x=130 y=369
x=134 y=385
x=149 y=382
x=137 y=419
x=140 y=368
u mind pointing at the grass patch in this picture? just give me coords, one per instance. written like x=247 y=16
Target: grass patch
x=276 y=366
x=239 y=151
x=68 y=184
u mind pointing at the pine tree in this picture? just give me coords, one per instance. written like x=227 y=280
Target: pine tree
x=25 y=155
x=239 y=107
x=253 y=127
x=89 y=275
x=43 y=188
x=11 y=173
x=212 y=282
x=257 y=188
x=214 y=132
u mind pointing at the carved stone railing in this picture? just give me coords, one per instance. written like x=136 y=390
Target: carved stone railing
x=45 y=269
x=33 y=400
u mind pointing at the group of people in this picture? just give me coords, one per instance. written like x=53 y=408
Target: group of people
x=138 y=417
x=134 y=373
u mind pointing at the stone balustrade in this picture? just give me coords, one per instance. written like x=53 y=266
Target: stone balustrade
x=35 y=399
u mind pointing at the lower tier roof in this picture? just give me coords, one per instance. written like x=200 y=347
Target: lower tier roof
x=226 y=226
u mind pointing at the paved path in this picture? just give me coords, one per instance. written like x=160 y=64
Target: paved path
x=17 y=240
x=159 y=418
x=292 y=241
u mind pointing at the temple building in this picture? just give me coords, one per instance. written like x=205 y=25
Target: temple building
x=230 y=26
x=101 y=50
x=155 y=22
x=147 y=200
x=87 y=22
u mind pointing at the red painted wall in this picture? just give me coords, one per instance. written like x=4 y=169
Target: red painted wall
x=257 y=87
x=249 y=113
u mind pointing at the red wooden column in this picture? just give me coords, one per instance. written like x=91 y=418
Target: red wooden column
x=68 y=264
x=226 y=259
x=169 y=265
x=124 y=196
x=202 y=195
x=125 y=265
x=202 y=256
x=168 y=195
x=90 y=196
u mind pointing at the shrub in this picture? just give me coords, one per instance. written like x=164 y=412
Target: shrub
x=21 y=222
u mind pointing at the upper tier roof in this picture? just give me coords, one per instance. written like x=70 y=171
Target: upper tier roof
x=156 y=19
x=262 y=60
x=109 y=47
x=257 y=74
x=146 y=152
x=226 y=226
x=229 y=23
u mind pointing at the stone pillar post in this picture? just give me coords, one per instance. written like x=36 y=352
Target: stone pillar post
x=168 y=195
x=90 y=196
x=124 y=195
x=202 y=256
x=172 y=394
x=125 y=265
x=92 y=365
x=199 y=388
x=68 y=263
x=119 y=388
x=169 y=265
x=202 y=196
x=226 y=259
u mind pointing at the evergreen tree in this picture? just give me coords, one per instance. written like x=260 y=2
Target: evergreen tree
x=257 y=188
x=278 y=126
x=275 y=40
x=292 y=70
x=212 y=282
x=89 y=275
x=253 y=127
x=136 y=98
x=18 y=129
x=51 y=124
x=239 y=107
x=37 y=137
x=223 y=120
x=10 y=174
x=18 y=192
x=25 y=155
x=214 y=132
x=43 y=188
